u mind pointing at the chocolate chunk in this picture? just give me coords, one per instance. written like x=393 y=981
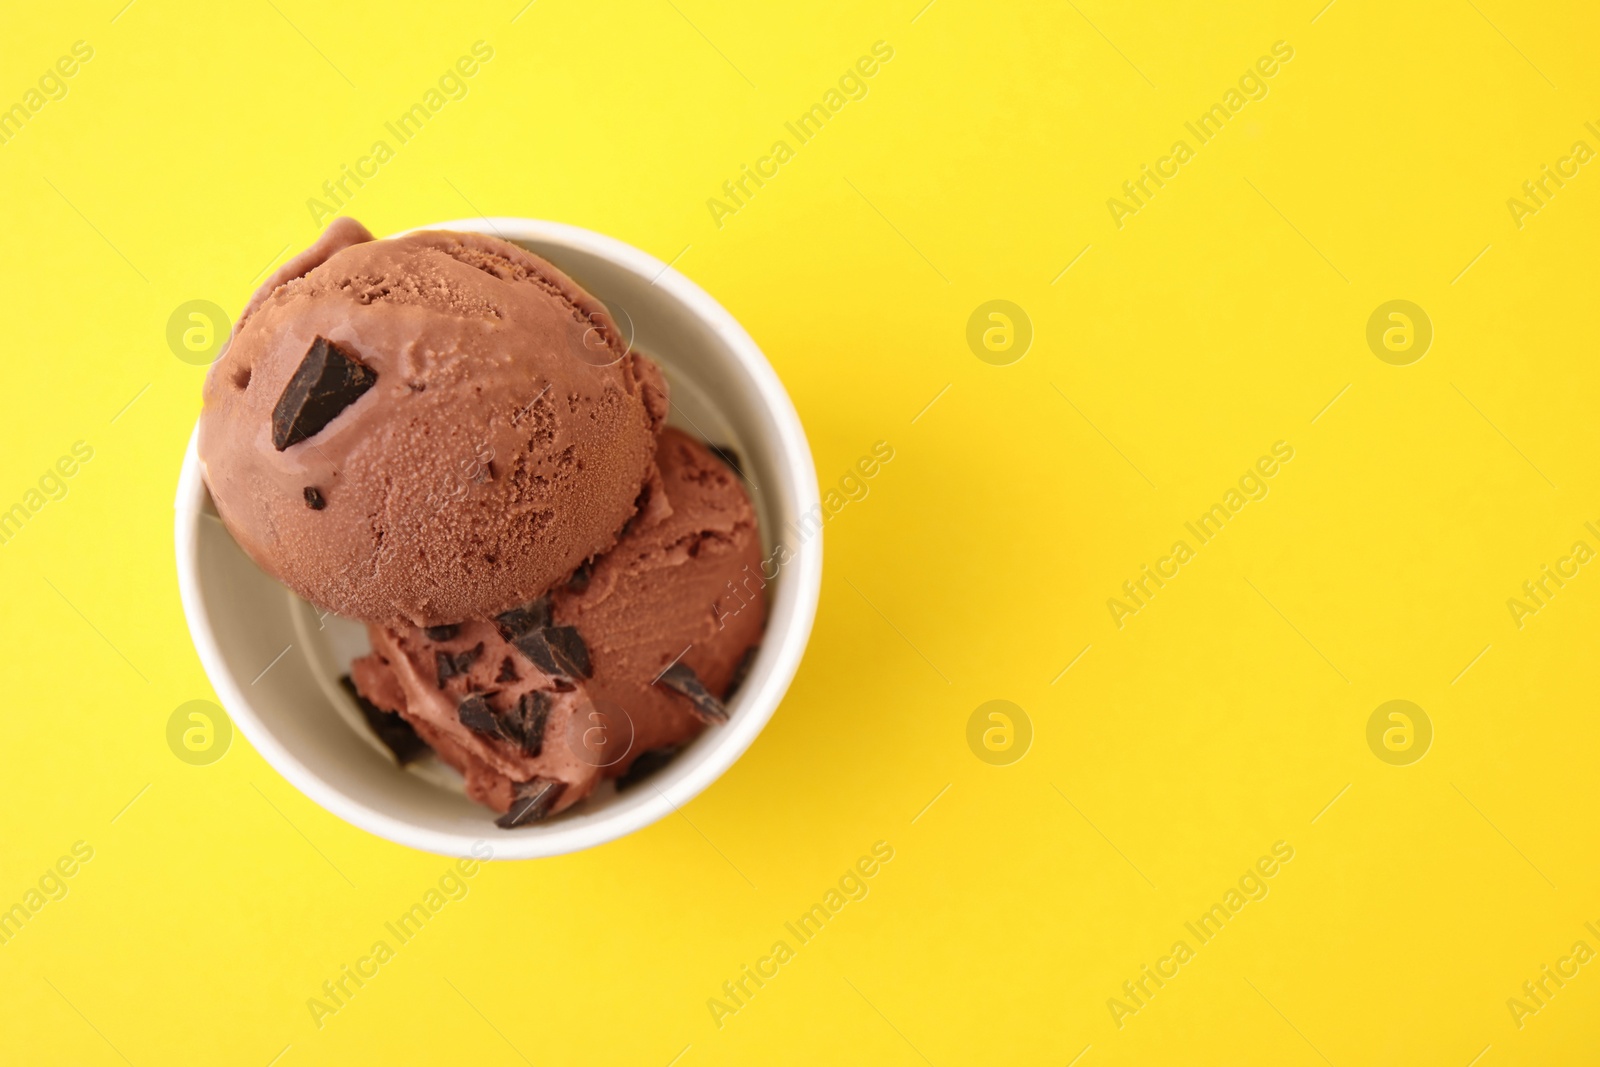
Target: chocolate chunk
x=476 y=715
x=531 y=801
x=644 y=765
x=740 y=671
x=534 y=646
x=446 y=632
x=518 y=621
x=570 y=649
x=524 y=724
x=682 y=680
x=449 y=666
x=727 y=454
x=328 y=380
x=559 y=651
x=580 y=578
x=395 y=733
x=508 y=671
x=314 y=499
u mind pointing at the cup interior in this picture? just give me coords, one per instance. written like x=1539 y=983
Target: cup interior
x=275 y=660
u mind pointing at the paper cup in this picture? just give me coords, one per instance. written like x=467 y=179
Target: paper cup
x=275 y=660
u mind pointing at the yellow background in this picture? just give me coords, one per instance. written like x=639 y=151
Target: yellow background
x=1223 y=717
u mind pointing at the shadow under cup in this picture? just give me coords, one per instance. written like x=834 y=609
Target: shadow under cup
x=275 y=661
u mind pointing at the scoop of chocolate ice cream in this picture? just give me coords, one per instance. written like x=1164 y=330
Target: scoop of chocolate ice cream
x=682 y=593
x=633 y=654
x=426 y=429
x=485 y=707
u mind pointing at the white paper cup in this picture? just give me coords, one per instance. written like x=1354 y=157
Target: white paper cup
x=275 y=663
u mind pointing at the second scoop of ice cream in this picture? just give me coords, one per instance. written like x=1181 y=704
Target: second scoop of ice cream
x=634 y=654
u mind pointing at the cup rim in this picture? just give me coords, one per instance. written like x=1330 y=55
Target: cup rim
x=758 y=702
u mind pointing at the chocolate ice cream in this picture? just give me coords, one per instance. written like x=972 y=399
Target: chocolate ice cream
x=632 y=655
x=485 y=708
x=426 y=429
x=445 y=437
x=683 y=594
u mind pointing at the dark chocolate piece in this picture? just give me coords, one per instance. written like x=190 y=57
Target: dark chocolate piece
x=395 y=733
x=644 y=765
x=570 y=649
x=449 y=666
x=476 y=715
x=314 y=499
x=531 y=801
x=328 y=380
x=728 y=455
x=741 y=670
x=446 y=632
x=559 y=651
x=524 y=724
x=682 y=680
x=518 y=621
x=508 y=671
